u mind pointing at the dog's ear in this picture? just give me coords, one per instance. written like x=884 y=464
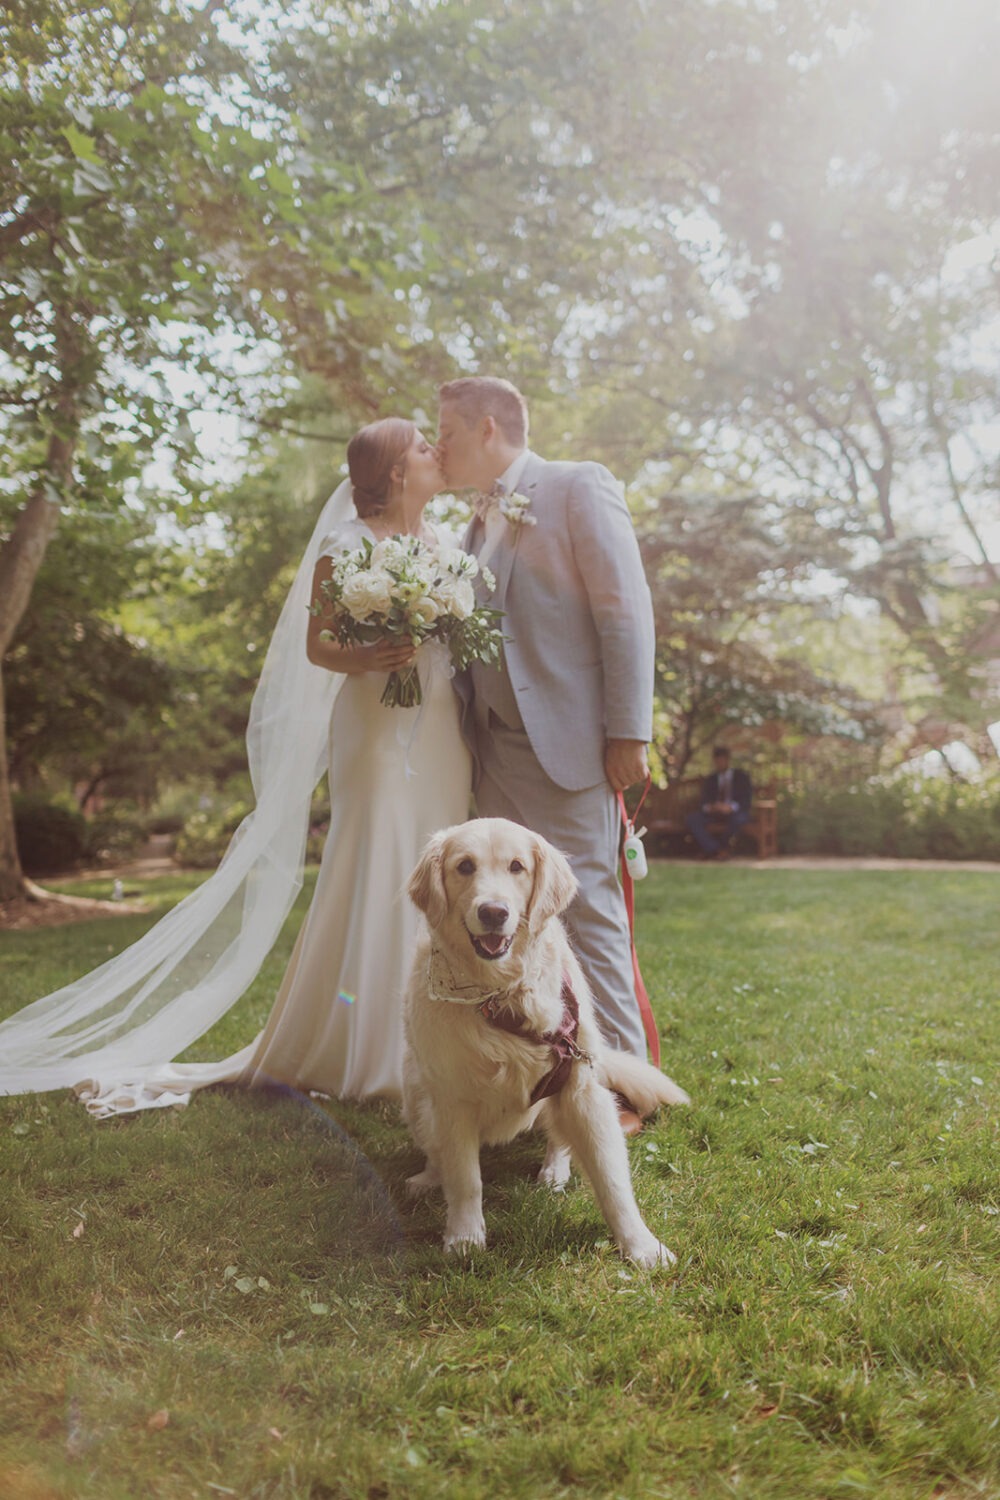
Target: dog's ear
x=554 y=885
x=426 y=885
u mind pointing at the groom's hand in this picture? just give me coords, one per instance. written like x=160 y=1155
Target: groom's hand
x=625 y=763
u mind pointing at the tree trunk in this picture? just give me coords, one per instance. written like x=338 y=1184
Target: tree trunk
x=19 y=563
x=20 y=559
x=11 y=874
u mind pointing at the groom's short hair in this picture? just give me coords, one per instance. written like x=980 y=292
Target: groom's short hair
x=478 y=396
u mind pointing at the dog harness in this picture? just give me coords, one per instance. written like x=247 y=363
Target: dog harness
x=561 y=1042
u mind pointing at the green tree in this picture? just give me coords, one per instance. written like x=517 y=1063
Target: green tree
x=726 y=577
x=122 y=171
x=86 y=698
x=822 y=343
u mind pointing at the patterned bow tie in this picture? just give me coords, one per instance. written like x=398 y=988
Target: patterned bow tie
x=487 y=499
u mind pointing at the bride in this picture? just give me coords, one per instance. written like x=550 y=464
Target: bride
x=396 y=775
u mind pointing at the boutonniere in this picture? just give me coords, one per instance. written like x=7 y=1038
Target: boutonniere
x=514 y=509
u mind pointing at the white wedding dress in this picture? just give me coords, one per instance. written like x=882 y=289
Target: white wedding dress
x=396 y=776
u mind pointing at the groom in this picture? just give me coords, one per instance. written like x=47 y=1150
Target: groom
x=563 y=723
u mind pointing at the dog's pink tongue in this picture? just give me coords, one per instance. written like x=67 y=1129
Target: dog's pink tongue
x=493 y=942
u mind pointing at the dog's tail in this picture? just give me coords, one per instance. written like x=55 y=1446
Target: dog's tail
x=644 y=1086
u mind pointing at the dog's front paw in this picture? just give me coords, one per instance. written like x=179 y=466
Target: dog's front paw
x=648 y=1252
x=555 y=1169
x=461 y=1238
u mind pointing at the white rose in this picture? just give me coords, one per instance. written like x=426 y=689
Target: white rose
x=456 y=598
x=367 y=594
x=423 y=611
x=465 y=599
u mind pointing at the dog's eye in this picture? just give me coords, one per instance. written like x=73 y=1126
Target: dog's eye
x=516 y=867
x=466 y=867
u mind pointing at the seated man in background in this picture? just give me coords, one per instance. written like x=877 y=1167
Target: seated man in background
x=725 y=806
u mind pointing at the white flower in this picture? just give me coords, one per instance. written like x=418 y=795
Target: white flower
x=454 y=560
x=423 y=611
x=413 y=585
x=514 y=509
x=390 y=552
x=367 y=593
x=489 y=577
x=455 y=597
x=346 y=566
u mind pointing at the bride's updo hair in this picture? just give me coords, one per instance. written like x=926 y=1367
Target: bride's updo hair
x=372 y=454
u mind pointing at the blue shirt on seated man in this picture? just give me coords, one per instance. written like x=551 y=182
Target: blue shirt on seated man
x=726 y=795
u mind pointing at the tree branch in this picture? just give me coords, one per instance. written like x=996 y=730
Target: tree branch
x=19 y=229
x=881 y=474
x=944 y=441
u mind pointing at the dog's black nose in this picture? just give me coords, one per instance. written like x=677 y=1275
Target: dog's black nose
x=493 y=915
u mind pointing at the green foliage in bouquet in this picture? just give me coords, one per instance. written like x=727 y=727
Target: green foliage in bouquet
x=401 y=589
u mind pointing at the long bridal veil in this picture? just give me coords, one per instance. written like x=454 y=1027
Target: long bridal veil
x=141 y=1009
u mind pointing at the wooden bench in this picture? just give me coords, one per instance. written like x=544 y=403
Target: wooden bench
x=666 y=809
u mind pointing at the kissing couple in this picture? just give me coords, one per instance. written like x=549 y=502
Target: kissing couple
x=546 y=737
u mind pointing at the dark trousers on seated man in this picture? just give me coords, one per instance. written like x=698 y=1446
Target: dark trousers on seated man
x=725 y=800
x=697 y=823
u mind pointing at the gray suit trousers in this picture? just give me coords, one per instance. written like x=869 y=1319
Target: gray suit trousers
x=585 y=826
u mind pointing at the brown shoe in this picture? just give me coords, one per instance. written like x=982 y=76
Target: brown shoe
x=628 y=1116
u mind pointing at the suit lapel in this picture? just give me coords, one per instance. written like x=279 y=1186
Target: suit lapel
x=502 y=561
x=471 y=542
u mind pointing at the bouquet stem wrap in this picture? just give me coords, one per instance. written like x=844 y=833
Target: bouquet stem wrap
x=402 y=689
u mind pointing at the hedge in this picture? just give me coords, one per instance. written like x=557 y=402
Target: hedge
x=904 y=818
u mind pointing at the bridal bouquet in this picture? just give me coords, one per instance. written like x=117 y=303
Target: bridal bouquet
x=399 y=587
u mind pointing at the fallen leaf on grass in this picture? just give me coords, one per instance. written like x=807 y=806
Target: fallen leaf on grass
x=273 y=1432
x=78 y=1231
x=158 y=1420
x=248 y=1284
x=762 y=1413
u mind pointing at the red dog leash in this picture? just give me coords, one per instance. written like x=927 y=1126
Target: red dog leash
x=628 y=887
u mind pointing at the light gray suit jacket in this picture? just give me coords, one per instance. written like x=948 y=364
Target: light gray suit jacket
x=578 y=620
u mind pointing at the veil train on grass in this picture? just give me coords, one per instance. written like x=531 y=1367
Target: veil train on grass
x=117 y=1027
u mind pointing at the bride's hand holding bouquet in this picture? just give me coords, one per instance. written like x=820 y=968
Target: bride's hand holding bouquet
x=395 y=594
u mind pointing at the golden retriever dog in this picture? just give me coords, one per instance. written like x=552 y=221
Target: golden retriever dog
x=501 y=1033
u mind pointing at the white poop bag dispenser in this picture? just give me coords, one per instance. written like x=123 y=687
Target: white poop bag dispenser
x=634 y=851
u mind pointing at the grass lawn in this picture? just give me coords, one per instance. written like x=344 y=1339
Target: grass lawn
x=236 y=1299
